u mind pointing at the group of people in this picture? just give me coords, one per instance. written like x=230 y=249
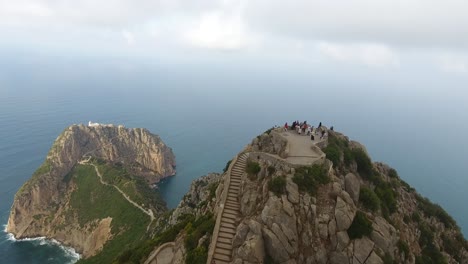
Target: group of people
x=302 y=128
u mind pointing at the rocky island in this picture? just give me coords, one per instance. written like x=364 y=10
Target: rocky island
x=283 y=199
x=93 y=190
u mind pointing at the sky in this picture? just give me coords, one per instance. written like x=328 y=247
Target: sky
x=377 y=34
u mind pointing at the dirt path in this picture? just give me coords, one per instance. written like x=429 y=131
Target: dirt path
x=148 y=212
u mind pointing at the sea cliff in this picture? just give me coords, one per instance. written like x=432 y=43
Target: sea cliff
x=90 y=175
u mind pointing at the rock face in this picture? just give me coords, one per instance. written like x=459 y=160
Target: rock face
x=44 y=198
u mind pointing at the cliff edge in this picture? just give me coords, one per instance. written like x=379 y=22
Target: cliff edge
x=92 y=174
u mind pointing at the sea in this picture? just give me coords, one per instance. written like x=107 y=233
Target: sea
x=209 y=111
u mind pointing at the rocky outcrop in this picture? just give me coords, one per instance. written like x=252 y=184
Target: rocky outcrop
x=44 y=201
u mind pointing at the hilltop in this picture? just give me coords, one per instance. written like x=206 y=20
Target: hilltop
x=93 y=191
x=288 y=199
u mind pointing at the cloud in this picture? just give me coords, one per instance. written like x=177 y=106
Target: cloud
x=128 y=37
x=363 y=53
x=453 y=64
x=241 y=24
x=218 y=31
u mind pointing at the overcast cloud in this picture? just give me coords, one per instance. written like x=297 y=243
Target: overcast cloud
x=369 y=32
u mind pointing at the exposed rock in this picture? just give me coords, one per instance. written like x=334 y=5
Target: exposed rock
x=338 y=258
x=384 y=235
x=362 y=249
x=40 y=206
x=352 y=186
x=374 y=259
x=274 y=247
x=344 y=214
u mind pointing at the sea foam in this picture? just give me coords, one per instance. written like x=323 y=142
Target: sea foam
x=43 y=241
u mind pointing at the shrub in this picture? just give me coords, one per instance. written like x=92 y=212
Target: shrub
x=278 y=185
x=415 y=217
x=360 y=227
x=434 y=210
x=392 y=173
x=403 y=248
x=387 y=195
x=364 y=164
x=212 y=189
x=227 y=166
x=333 y=153
x=253 y=168
x=369 y=199
x=387 y=259
x=271 y=170
x=308 y=178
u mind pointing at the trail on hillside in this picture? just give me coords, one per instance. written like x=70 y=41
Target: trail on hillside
x=147 y=212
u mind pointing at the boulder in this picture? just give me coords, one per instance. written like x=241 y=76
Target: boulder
x=274 y=247
x=352 y=186
x=344 y=214
x=384 y=235
x=374 y=259
x=338 y=258
x=342 y=240
x=362 y=249
x=293 y=192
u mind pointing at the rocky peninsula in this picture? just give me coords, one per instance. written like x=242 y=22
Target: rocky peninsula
x=288 y=199
x=93 y=190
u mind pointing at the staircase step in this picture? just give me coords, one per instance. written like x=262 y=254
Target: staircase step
x=222 y=245
x=225 y=235
x=229 y=216
x=228 y=220
x=231 y=207
x=225 y=240
x=227 y=225
x=228 y=230
x=230 y=211
x=221 y=257
x=232 y=204
x=223 y=251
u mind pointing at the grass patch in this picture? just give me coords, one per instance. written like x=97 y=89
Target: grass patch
x=92 y=200
x=360 y=227
x=403 y=248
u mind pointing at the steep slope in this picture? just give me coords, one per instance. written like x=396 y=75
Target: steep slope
x=93 y=188
x=336 y=207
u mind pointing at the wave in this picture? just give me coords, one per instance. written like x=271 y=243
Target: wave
x=44 y=241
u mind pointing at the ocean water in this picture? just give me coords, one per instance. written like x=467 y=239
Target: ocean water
x=207 y=113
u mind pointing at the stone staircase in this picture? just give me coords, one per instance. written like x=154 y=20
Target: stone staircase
x=230 y=214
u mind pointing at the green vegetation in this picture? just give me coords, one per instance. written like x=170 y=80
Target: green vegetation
x=309 y=177
x=93 y=201
x=252 y=168
x=194 y=230
x=364 y=164
x=430 y=253
x=392 y=173
x=212 y=189
x=434 y=210
x=387 y=198
x=271 y=170
x=227 y=166
x=336 y=149
x=135 y=187
x=138 y=253
x=387 y=259
x=332 y=153
x=369 y=199
x=278 y=185
x=204 y=225
x=360 y=227
x=403 y=248
x=453 y=245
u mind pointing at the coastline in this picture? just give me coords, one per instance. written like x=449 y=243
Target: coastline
x=44 y=241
